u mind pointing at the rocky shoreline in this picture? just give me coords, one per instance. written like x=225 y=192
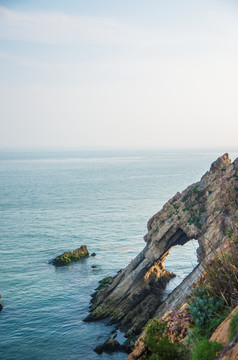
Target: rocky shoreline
x=204 y=211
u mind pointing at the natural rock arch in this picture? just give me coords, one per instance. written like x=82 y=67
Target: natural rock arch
x=203 y=211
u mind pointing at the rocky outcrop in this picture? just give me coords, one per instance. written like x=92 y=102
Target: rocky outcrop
x=177 y=297
x=110 y=346
x=204 y=211
x=70 y=256
x=178 y=323
x=221 y=333
x=230 y=351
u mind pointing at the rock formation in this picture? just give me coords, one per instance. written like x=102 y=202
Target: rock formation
x=204 y=211
x=230 y=349
x=70 y=256
x=221 y=333
x=110 y=346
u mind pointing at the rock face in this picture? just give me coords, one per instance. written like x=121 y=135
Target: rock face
x=204 y=211
x=221 y=333
x=230 y=351
x=70 y=256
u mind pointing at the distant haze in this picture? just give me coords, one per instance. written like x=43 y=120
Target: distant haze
x=119 y=73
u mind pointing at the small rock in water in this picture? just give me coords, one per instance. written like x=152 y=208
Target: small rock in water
x=93 y=254
x=109 y=346
x=70 y=256
x=93 y=267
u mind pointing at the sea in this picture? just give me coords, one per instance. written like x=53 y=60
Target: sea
x=56 y=201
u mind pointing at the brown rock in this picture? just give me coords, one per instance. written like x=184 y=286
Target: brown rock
x=230 y=354
x=178 y=323
x=139 y=348
x=221 y=333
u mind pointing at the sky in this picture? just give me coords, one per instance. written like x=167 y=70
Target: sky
x=128 y=74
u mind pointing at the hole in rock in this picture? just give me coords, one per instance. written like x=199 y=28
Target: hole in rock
x=181 y=260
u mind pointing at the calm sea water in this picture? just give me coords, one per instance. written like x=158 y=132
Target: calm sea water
x=51 y=202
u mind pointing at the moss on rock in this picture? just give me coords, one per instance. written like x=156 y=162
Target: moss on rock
x=71 y=256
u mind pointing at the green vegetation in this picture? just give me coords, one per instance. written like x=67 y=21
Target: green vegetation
x=215 y=209
x=207 y=312
x=195 y=220
x=176 y=206
x=104 y=282
x=160 y=347
x=210 y=303
x=233 y=327
x=222 y=274
x=70 y=256
x=206 y=350
x=196 y=208
x=196 y=190
x=206 y=321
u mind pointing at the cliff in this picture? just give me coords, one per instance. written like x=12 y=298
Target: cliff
x=204 y=211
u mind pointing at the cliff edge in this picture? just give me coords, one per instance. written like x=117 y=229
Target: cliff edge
x=204 y=211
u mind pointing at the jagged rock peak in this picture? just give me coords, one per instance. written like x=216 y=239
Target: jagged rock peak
x=222 y=160
x=203 y=211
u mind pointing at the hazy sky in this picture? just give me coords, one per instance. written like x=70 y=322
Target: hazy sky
x=128 y=73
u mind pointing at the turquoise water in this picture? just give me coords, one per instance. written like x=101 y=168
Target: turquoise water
x=56 y=201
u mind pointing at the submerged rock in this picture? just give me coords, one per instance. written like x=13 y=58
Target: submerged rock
x=1 y=307
x=109 y=346
x=204 y=211
x=70 y=256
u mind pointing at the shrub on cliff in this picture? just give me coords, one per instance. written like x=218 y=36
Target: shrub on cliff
x=207 y=312
x=233 y=327
x=159 y=346
x=206 y=350
x=222 y=272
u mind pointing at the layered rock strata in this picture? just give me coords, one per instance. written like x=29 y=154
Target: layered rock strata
x=204 y=211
